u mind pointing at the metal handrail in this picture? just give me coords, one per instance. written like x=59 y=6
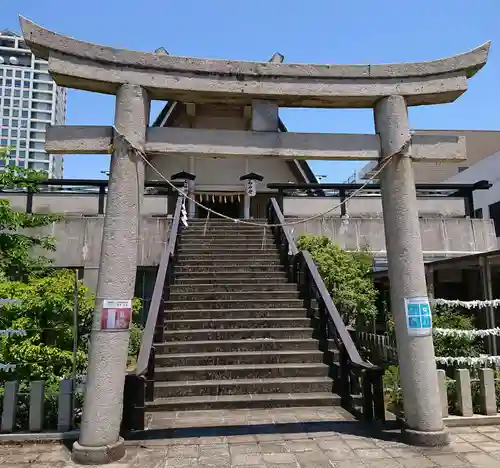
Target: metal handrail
x=343 y=332
x=302 y=270
x=154 y=306
x=281 y=220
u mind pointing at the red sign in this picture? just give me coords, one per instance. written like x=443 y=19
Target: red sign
x=116 y=315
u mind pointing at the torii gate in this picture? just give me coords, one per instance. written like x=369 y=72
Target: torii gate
x=136 y=78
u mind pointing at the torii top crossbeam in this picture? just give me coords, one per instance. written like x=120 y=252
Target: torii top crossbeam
x=91 y=67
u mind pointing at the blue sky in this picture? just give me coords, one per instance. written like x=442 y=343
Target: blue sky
x=317 y=31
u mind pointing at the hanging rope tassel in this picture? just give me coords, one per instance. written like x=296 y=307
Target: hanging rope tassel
x=206 y=224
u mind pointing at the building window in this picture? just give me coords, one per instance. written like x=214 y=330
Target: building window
x=17 y=93
x=478 y=213
x=26 y=94
x=462 y=169
x=8 y=73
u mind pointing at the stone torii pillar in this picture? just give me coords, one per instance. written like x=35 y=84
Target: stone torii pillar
x=99 y=440
x=422 y=407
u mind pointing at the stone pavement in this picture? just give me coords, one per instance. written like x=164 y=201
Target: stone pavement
x=277 y=438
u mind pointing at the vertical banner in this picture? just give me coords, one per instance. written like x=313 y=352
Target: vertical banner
x=418 y=316
x=116 y=314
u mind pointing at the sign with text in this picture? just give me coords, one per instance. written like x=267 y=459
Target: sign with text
x=116 y=314
x=418 y=316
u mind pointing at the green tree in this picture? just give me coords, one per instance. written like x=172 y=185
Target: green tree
x=20 y=250
x=347 y=276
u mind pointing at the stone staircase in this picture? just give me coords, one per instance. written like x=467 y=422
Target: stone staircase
x=236 y=333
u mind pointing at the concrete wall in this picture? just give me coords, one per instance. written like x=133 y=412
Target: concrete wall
x=304 y=207
x=78 y=239
x=441 y=237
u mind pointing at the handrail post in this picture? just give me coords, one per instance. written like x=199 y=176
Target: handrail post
x=101 y=200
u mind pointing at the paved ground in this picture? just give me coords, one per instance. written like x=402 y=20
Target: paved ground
x=288 y=438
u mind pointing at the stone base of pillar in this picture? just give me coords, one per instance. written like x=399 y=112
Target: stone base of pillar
x=426 y=438
x=98 y=455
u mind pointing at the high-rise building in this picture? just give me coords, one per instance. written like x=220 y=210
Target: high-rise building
x=29 y=102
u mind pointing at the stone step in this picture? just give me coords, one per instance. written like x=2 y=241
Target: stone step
x=242 y=386
x=227 y=238
x=230 y=277
x=229 y=269
x=232 y=358
x=216 y=288
x=236 y=323
x=215 y=262
x=238 y=250
x=208 y=314
x=237 y=334
x=267 y=400
x=234 y=256
x=237 y=345
x=234 y=304
x=233 y=295
x=217 y=228
x=240 y=371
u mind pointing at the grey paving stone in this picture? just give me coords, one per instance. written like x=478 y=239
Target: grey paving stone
x=243 y=449
x=383 y=463
x=487 y=428
x=213 y=462
x=475 y=437
x=180 y=462
x=340 y=454
x=360 y=443
x=415 y=462
x=492 y=446
x=402 y=452
x=482 y=460
x=273 y=447
x=308 y=457
x=279 y=458
x=371 y=453
x=349 y=464
x=304 y=445
x=183 y=451
x=448 y=459
x=247 y=459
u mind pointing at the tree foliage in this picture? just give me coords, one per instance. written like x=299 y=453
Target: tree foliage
x=18 y=258
x=347 y=276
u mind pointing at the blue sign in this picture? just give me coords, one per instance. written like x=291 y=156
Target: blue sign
x=418 y=316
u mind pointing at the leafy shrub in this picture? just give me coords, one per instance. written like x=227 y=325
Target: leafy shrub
x=347 y=276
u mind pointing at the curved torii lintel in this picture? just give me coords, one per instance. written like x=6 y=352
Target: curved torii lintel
x=92 y=67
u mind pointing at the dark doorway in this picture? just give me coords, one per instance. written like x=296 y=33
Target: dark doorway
x=229 y=208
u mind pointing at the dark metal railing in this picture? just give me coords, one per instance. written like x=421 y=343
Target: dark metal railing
x=356 y=377
x=139 y=384
x=86 y=187
x=342 y=191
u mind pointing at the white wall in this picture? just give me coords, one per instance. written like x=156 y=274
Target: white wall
x=487 y=169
